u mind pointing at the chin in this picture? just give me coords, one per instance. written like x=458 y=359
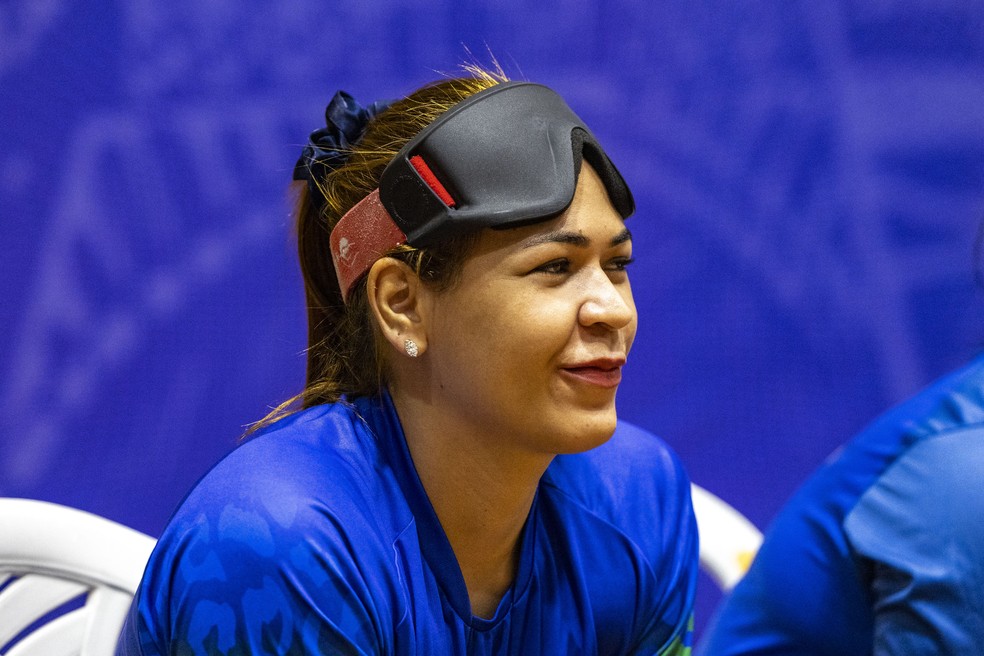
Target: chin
x=588 y=431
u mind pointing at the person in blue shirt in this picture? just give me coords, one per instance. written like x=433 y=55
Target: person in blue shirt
x=456 y=480
x=882 y=551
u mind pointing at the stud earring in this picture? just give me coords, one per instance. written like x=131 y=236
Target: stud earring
x=410 y=347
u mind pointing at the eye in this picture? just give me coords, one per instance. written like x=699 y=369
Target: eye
x=558 y=266
x=619 y=263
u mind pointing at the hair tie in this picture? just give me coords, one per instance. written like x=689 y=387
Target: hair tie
x=329 y=147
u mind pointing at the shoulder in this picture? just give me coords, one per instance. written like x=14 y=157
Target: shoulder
x=928 y=502
x=321 y=456
x=627 y=509
x=286 y=526
x=951 y=404
x=320 y=463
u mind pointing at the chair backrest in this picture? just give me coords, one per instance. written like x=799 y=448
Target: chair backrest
x=66 y=579
x=728 y=541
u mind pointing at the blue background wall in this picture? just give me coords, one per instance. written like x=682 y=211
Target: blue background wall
x=809 y=177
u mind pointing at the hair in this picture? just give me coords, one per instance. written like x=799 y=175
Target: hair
x=345 y=351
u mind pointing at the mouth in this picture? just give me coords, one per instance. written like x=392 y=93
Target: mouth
x=604 y=373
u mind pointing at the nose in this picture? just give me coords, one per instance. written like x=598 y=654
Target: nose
x=607 y=303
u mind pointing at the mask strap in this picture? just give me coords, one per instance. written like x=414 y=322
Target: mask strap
x=367 y=231
x=365 y=234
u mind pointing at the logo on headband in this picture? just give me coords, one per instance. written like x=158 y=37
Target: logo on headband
x=343 y=248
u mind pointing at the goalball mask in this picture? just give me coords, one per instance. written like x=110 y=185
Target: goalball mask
x=504 y=157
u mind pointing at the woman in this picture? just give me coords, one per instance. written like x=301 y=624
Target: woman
x=452 y=485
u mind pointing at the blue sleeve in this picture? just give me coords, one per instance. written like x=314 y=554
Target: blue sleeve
x=919 y=532
x=258 y=560
x=247 y=582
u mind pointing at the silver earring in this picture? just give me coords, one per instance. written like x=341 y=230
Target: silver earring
x=410 y=347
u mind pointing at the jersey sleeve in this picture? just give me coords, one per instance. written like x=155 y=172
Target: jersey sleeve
x=243 y=582
x=284 y=547
x=920 y=538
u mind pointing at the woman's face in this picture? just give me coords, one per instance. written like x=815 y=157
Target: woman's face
x=528 y=346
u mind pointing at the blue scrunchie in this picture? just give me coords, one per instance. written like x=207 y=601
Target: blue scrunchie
x=329 y=147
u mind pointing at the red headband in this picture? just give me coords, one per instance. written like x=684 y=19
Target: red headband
x=367 y=232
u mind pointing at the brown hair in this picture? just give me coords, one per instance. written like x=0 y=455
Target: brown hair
x=344 y=354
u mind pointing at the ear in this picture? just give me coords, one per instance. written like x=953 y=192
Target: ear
x=396 y=297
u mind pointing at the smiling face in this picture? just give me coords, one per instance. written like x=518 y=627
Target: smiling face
x=527 y=347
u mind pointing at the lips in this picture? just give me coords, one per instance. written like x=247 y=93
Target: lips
x=605 y=373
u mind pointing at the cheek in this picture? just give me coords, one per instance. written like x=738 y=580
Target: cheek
x=505 y=335
x=471 y=342
x=541 y=329
x=525 y=339
x=519 y=331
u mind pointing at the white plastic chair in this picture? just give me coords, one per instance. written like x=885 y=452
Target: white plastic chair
x=728 y=541
x=51 y=555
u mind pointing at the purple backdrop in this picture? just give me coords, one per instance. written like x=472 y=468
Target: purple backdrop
x=809 y=177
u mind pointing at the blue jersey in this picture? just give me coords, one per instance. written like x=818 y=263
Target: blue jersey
x=317 y=537
x=882 y=551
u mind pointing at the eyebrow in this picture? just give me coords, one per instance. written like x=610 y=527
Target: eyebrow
x=574 y=239
x=622 y=237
